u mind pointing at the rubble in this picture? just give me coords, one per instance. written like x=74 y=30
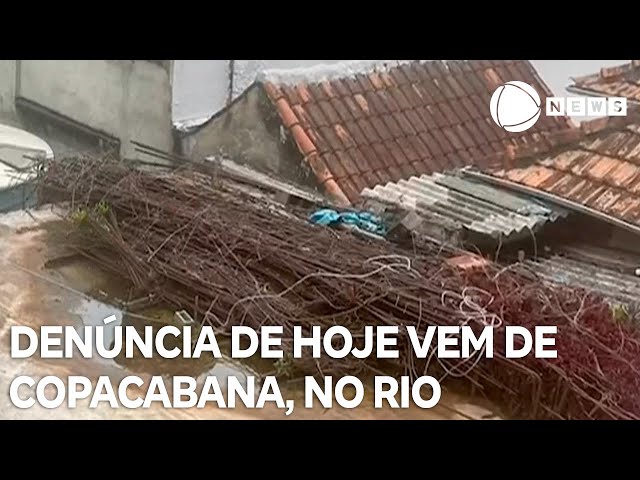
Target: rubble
x=229 y=259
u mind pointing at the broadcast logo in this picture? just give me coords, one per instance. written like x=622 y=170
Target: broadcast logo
x=516 y=106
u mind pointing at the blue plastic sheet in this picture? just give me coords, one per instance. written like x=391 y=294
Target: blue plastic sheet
x=363 y=220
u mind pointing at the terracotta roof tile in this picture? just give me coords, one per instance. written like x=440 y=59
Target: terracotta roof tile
x=600 y=171
x=371 y=178
x=342 y=89
x=331 y=138
x=405 y=125
x=392 y=126
x=359 y=182
x=622 y=80
x=344 y=136
x=342 y=110
x=317 y=93
x=376 y=105
x=365 y=84
x=320 y=143
x=316 y=115
x=347 y=163
x=416 y=121
x=409 y=151
x=289 y=118
x=302 y=116
x=388 y=100
x=380 y=128
x=306 y=146
x=412 y=118
x=302 y=93
x=365 y=163
x=328 y=90
x=337 y=169
x=290 y=94
x=273 y=90
x=329 y=112
x=350 y=190
x=395 y=174
x=376 y=163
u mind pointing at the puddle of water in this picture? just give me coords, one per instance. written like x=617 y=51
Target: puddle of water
x=92 y=313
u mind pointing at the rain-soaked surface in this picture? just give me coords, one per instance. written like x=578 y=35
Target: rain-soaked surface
x=42 y=284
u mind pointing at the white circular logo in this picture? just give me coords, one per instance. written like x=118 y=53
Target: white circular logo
x=515 y=106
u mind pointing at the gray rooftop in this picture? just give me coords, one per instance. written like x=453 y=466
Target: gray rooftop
x=462 y=202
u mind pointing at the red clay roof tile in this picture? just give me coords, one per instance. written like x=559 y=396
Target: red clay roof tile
x=337 y=169
x=301 y=114
x=371 y=178
x=289 y=118
x=342 y=110
x=347 y=163
x=328 y=90
x=621 y=80
x=316 y=92
x=329 y=112
x=393 y=126
x=359 y=182
x=411 y=118
x=375 y=163
x=376 y=81
x=273 y=91
x=290 y=94
x=303 y=93
x=601 y=171
x=350 y=190
x=303 y=141
x=329 y=136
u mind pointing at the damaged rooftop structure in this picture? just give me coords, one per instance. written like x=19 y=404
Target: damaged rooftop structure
x=416 y=136
x=346 y=127
x=480 y=226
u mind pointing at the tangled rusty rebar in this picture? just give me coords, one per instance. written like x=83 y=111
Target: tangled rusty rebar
x=197 y=243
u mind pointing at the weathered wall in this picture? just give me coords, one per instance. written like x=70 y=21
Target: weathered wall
x=201 y=87
x=128 y=99
x=249 y=132
x=7 y=85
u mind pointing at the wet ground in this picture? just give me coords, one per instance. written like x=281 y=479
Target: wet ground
x=42 y=284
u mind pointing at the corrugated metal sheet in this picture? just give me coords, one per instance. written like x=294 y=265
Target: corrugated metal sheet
x=608 y=282
x=600 y=174
x=466 y=203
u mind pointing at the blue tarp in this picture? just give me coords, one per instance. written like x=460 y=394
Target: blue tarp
x=363 y=220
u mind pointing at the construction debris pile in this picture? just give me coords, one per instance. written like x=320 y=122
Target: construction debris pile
x=231 y=259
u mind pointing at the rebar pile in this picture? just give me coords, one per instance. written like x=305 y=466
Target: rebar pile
x=231 y=259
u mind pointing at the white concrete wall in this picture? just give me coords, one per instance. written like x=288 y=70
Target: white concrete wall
x=7 y=85
x=201 y=87
x=129 y=99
